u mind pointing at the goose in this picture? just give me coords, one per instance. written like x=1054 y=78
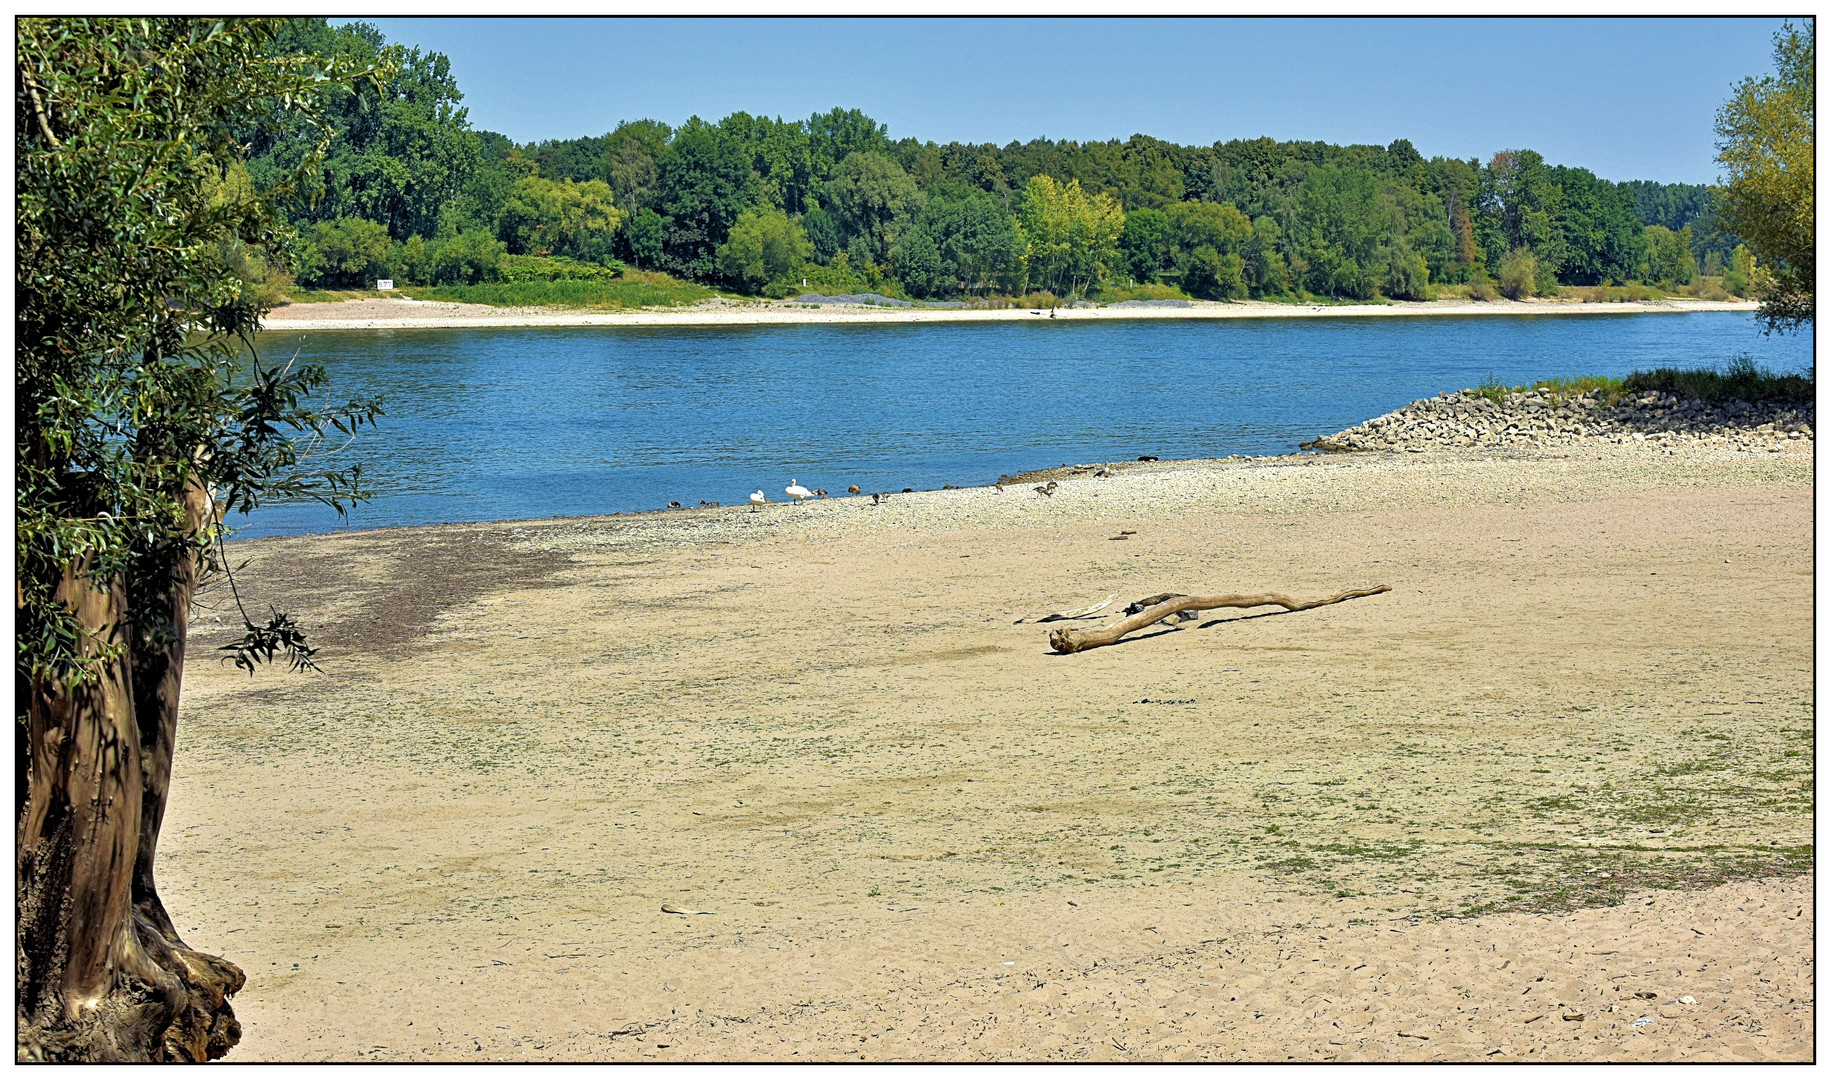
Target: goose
x=853 y=489
x=820 y=493
x=674 y=506
x=1046 y=489
x=756 y=500
x=795 y=491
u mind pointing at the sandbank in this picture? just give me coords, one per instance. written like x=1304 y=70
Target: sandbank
x=1549 y=799
x=405 y=314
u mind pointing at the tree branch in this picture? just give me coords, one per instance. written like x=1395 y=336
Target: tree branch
x=1066 y=640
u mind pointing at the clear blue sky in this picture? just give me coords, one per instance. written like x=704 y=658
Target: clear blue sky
x=1627 y=98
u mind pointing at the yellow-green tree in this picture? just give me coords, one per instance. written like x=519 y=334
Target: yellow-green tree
x=1765 y=148
x=764 y=247
x=1071 y=239
x=560 y=217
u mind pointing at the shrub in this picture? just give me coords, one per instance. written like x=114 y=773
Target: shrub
x=471 y=257
x=1519 y=273
x=1113 y=294
x=1741 y=380
x=834 y=279
x=346 y=253
x=1480 y=286
x=1407 y=275
x=764 y=246
x=555 y=268
x=1213 y=276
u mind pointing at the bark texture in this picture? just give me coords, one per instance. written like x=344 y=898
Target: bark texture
x=102 y=973
x=1070 y=641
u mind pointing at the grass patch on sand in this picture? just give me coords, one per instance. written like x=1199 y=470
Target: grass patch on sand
x=630 y=289
x=1114 y=294
x=1740 y=380
x=1558 y=387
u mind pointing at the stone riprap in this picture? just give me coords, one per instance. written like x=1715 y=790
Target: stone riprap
x=1548 y=418
x=870 y=299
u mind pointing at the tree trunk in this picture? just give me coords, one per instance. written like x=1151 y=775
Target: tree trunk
x=103 y=974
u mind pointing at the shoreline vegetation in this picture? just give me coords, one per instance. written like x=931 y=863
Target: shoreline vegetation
x=771 y=208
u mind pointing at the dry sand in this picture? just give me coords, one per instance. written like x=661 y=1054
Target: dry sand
x=398 y=314
x=1565 y=764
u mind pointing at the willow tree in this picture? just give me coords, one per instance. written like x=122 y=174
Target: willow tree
x=142 y=417
x=1766 y=148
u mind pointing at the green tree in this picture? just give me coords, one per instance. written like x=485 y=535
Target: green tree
x=1337 y=227
x=1145 y=244
x=404 y=148
x=646 y=239
x=872 y=200
x=764 y=247
x=1407 y=275
x=918 y=264
x=1740 y=273
x=470 y=256
x=837 y=134
x=1766 y=146
x=977 y=241
x=823 y=232
x=348 y=253
x=1668 y=259
x=1206 y=245
x=560 y=217
x=1525 y=203
x=140 y=422
x=1071 y=240
x=1265 y=271
x=702 y=184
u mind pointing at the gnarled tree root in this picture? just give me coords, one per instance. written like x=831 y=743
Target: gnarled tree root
x=1066 y=640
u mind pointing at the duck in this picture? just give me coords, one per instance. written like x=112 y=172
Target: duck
x=795 y=491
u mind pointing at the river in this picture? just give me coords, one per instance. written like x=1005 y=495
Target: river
x=488 y=424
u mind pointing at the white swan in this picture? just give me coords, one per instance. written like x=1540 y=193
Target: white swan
x=795 y=491
x=757 y=499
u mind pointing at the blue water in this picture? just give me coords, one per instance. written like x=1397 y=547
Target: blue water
x=488 y=424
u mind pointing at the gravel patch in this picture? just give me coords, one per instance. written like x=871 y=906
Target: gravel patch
x=873 y=299
x=1300 y=484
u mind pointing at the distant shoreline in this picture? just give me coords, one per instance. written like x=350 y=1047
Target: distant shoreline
x=415 y=314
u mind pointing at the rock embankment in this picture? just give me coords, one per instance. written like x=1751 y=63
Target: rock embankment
x=1548 y=418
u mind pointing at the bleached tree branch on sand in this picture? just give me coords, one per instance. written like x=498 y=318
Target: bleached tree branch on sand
x=1068 y=640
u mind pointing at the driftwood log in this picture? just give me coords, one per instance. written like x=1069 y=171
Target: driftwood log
x=1078 y=613
x=1069 y=640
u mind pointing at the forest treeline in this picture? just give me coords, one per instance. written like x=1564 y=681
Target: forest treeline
x=833 y=203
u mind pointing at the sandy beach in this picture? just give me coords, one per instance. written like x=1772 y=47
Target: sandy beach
x=794 y=785
x=399 y=314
